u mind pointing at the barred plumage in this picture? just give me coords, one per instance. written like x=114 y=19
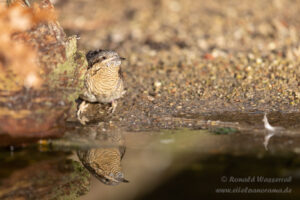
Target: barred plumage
x=106 y=84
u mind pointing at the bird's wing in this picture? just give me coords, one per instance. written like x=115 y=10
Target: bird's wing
x=121 y=73
x=122 y=150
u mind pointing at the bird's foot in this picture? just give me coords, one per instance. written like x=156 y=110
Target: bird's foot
x=82 y=107
x=113 y=107
x=9 y=2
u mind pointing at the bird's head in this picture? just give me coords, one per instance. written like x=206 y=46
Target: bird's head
x=112 y=178
x=107 y=58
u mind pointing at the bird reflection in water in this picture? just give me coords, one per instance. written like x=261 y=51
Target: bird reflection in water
x=105 y=163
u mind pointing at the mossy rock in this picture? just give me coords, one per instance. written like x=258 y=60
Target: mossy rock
x=42 y=79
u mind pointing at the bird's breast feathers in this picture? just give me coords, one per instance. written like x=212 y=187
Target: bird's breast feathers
x=105 y=86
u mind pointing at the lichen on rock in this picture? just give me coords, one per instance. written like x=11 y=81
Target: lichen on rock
x=41 y=72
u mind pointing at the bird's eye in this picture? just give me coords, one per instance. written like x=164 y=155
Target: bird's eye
x=103 y=57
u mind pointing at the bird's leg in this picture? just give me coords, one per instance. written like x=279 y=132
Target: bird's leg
x=114 y=104
x=81 y=109
x=87 y=96
x=26 y=2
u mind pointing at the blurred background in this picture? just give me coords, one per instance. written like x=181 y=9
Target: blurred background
x=199 y=77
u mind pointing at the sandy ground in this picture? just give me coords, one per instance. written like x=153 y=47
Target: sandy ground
x=189 y=58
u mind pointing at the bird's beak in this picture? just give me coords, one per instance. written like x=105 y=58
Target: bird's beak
x=115 y=59
x=123 y=180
